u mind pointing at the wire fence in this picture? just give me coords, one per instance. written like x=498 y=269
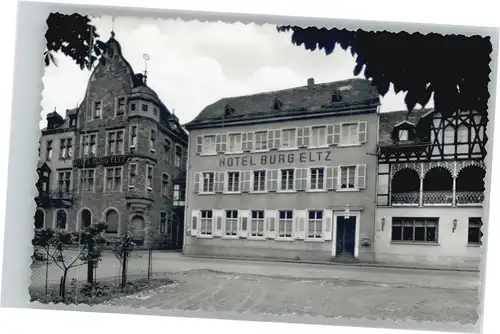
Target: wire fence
x=88 y=282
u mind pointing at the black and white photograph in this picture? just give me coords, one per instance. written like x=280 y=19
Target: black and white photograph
x=197 y=165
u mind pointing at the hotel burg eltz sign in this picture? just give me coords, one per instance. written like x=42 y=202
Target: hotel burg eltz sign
x=278 y=158
x=91 y=162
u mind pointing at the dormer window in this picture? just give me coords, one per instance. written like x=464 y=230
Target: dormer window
x=277 y=104
x=336 y=96
x=403 y=135
x=228 y=110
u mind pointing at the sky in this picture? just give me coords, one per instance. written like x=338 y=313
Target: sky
x=193 y=64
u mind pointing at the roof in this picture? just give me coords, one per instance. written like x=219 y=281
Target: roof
x=388 y=120
x=307 y=99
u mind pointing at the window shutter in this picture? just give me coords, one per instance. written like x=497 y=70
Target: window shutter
x=361 y=176
x=199 y=144
x=297 y=174
x=249 y=141
x=244 y=142
x=306 y=178
x=195 y=217
x=197 y=177
x=219 y=182
x=269 y=180
x=300 y=224
x=329 y=134
x=219 y=215
x=336 y=133
x=300 y=137
x=277 y=138
x=223 y=144
x=330 y=180
x=270 y=140
x=362 y=128
x=217 y=143
x=271 y=224
x=327 y=224
x=244 y=222
x=274 y=180
x=247 y=180
x=307 y=136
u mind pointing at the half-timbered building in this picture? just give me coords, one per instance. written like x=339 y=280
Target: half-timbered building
x=288 y=174
x=430 y=188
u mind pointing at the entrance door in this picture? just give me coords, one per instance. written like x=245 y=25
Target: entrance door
x=346 y=230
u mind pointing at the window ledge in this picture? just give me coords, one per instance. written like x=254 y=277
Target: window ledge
x=258 y=192
x=286 y=191
x=403 y=204
x=318 y=240
x=206 y=193
x=232 y=192
x=340 y=190
x=414 y=243
x=208 y=153
x=349 y=145
x=317 y=191
x=318 y=147
x=259 y=151
x=288 y=148
x=474 y=245
x=235 y=152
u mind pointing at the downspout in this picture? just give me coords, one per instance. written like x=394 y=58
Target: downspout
x=376 y=182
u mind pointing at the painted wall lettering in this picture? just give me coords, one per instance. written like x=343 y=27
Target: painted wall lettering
x=275 y=158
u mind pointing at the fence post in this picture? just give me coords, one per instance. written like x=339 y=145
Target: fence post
x=150 y=263
x=47 y=277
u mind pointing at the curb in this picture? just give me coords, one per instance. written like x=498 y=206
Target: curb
x=340 y=264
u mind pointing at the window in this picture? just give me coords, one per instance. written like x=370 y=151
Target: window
x=87 y=178
x=66 y=150
x=149 y=178
x=231 y=228
x=113 y=179
x=85 y=218
x=133 y=106
x=315 y=224
x=89 y=145
x=347 y=177
x=152 y=138
x=179 y=194
x=120 y=106
x=144 y=107
x=61 y=219
x=233 y=181
x=163 y=221
x=234 y=142
x=97 y=109
x=414 y=229
x=48 y=151
x=155 y=111
x=72 y=122
x=208 y=144
x=178 y=156
x=132 y=175
x=288 y=138
x=317 y=178
x=114 y=142
x=259 y=180
x=208 y=182
x=349 y=134
x=257 y=224
x=475 y=234
x=64 y=181
x=165 y=185
x=167 y=150
x=286 y=179
x=260 y=140
x=449 y=135
x=318 y=136
x=462 y=134
x=39 y=219
x=403 y=135
x=206 y=222
x=133 y=136
x=285 y=224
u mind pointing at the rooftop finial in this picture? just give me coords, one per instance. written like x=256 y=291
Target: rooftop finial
x=55 y=109
x=146 y=58
x=112 y=27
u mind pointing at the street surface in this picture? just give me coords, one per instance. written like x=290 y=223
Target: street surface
x=285 y=288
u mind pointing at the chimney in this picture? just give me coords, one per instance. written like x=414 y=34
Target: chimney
x=310 y=82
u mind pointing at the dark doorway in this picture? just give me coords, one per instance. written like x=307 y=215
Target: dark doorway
x=346 y=230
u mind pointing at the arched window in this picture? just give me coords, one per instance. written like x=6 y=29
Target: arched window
x=61 y=219
x=85 y=218
x=470 y=185
x=405 y=187
x=39 y=219
x=112 y=220
x=438 y=186
x=165 y=185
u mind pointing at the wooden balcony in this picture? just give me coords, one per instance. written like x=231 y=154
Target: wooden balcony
x=429 y=198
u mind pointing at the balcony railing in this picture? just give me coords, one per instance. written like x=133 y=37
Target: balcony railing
x=469 y=197
x=56 y=198
x=444 y=197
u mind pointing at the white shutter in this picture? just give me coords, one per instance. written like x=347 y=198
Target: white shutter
x=336 y=177
x=307 y=136
x=197 y=177
x=223 y=144
x=327 y=224
x=270 y=140
x=329 y=134
x=219 y=217
x=300 y=137
x=361 y=176
x=195 y=222
x=271 y=224
x=299 y=224
x=244 y=142
x=272 y=179
x=297 y=175
x=218 y=143
x=244 y=222
x=219 y=181
x=250 y=137
x=362 y=129
x=330 y=180
x=336 y=133
x=199 y=144
x=277 y=138
x=246 y=176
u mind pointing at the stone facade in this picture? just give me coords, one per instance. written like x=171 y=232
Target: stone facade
x=129 y=151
